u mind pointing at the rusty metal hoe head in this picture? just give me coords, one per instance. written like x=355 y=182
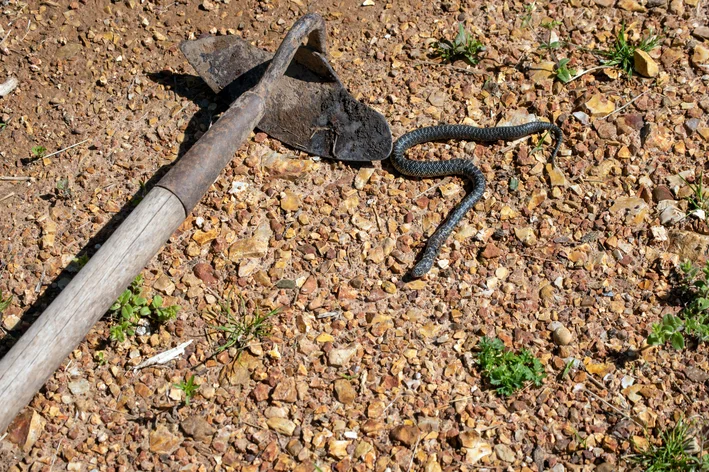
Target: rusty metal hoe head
x=308 y=107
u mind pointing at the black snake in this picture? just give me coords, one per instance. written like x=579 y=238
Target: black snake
x=461 y=167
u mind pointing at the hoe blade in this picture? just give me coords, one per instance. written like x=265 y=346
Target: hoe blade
x=309 y=108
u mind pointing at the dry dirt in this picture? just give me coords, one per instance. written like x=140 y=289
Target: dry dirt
x=362 y=369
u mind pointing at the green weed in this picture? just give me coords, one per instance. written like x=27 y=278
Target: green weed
x=679 y=452
x=189 y=387
x=622 y=54
x=699 y=200
x=527 y=17
x=540 y=144
x=62 y=189
x=552 y=44
x=506 y=370
x=563 y=72
x=669 y=329
x=550 y=25
x=131 y=306
x=100 y=357
x=694 y=317
x=39 y=151
x=240 y=332
x=80 y=261
x=462 y=47
x=4 y=302
x=567 y=369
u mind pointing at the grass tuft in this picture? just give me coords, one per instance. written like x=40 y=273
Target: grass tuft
x=239 y=333
x=622 y=54
x=679 y=452
x=462 y=47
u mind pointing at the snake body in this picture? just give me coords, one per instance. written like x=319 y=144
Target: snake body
x=462 y=167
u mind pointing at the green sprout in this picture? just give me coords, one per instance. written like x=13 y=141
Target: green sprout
x=527 y=17
x=39 y=151
x=670 y=328
x=462 y=47
x=550 y=25
x=694 y=317
x=131 y=306
x=540 y=144
x=80 y=261
x=505 y=370
x=100 y=357
x=4 y=302
x=189 y=387
x=563 y=72
x=699 y=200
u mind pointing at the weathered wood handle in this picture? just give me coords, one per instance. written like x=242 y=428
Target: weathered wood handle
x=65 y=323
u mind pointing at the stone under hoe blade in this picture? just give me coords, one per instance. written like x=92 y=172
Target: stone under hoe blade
x=308 y=109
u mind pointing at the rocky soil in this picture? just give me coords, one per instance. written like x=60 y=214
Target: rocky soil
x=363 y=369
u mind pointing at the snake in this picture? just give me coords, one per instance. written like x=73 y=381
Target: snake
x=460 y=167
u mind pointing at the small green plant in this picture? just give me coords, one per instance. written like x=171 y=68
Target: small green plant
x=131 y=306
x=140 y=194
x=81 y=261
x=540 y=144
x=506 y=370
x=240 y=332
x=622 y=54
x=699 y=200
x=163 y=314
x=567 y=369
x=670 y=328
x=679 y=452
x=4 y=302
x=527 y=17
x=694 y=317
x=100 y=357
x=2 y=125
x=513 y=184
x=63 y=190
x=39 y=151
x=189 y=387
x=462 y=47
x=552 y=45
x=550 y=25
x=563 y=72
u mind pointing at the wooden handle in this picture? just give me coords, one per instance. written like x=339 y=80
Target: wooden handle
x=65 y=323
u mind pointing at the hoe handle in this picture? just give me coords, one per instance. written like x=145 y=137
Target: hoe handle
x=65 y=323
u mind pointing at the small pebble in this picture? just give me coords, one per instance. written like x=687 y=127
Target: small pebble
x=562 y=336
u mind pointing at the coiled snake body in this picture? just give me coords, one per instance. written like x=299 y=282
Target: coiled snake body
x=461 y=167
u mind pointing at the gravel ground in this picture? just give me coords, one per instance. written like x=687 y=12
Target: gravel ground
x=362 y=369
